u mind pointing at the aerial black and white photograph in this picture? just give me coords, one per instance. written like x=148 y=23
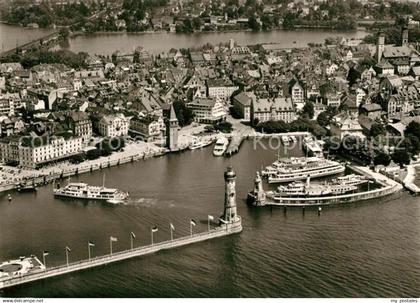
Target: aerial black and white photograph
x=159 y=149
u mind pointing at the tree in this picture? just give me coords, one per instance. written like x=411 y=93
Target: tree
x=236 y=111
x=382 y=159
x=289 y=20
x=64 y=33
x=308 y=110
x=224 y=127
x=183 y=113
x=412 y=144
x=254 y=24
x=323 y=119
x=93 y=154
x=377 y=129
x=413 y=128
x=401 y=157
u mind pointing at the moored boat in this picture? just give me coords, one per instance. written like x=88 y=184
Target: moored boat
x=294 y=169
x=197 y=143
x=220 y=146
x=341 y=186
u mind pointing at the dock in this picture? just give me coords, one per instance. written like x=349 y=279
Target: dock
x=234 y=145
x=409 y=180
x=257 y=197
x=229 y=223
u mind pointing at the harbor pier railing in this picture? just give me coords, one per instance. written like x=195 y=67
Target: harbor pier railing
x=220 y=231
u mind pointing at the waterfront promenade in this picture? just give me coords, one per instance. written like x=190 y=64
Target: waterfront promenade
x=220 y=231
x=10 y=177
x=409 y=180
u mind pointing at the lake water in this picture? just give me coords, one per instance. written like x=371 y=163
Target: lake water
x=11 y=35
x=366 y=249
x=107 y=43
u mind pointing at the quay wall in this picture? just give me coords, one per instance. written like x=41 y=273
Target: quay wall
x=224 y=230
x=410 y=178
x=82 y=168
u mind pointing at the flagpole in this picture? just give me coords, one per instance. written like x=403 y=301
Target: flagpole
x=208 y=223
x=43 y=258
x=131 y=238
x=110 y=245
x=89 y=250
x=172 y=237
x=67 y=257
x=190 y=229
x=152 y=235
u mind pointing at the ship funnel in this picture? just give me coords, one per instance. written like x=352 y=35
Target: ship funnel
x=308 y=181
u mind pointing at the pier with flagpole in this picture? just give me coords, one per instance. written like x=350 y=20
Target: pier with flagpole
x=229 y=223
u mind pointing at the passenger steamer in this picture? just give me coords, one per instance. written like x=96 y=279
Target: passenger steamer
x=221 y=146
x=339 y=186
x=84 y=191
x=295 y=169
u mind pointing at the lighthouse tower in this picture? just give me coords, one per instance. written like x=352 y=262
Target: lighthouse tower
x=257 y=196
x=230 y=215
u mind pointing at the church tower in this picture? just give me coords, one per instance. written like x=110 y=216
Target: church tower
x=172 y=131
x=380 y=46
x=404 y=36
x=230 y=215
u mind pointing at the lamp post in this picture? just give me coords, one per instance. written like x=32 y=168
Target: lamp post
x=67 y=255
x=89 y=245
x=132 y=237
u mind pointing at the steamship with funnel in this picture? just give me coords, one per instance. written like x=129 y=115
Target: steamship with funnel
x=295 y=169
x=82 y=190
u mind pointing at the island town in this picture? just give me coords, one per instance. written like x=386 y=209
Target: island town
x=348 y=104
x=58 y=120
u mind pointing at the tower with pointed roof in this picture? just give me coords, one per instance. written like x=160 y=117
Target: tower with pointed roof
x=404 y=36
x=172 y=130
x=380 y=46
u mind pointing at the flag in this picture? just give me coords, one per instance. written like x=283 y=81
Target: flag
x=91 y=244
x=113 y=239
x=68 y=249
x=211 y=217
x=45 y=253
x=172 y=226
x=154 y=229
x=193 y=223
x=133 y=235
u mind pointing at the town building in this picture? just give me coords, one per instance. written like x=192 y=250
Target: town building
x=276 y=109
x=297 y=91
x=221 y=88
x=149 y=129
x=31 y=152
x=346 y=124
x=80 y=124
x=243 y=102
x=116 y=125
x=208 y=110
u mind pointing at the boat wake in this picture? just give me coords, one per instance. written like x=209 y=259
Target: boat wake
x=149 y=202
